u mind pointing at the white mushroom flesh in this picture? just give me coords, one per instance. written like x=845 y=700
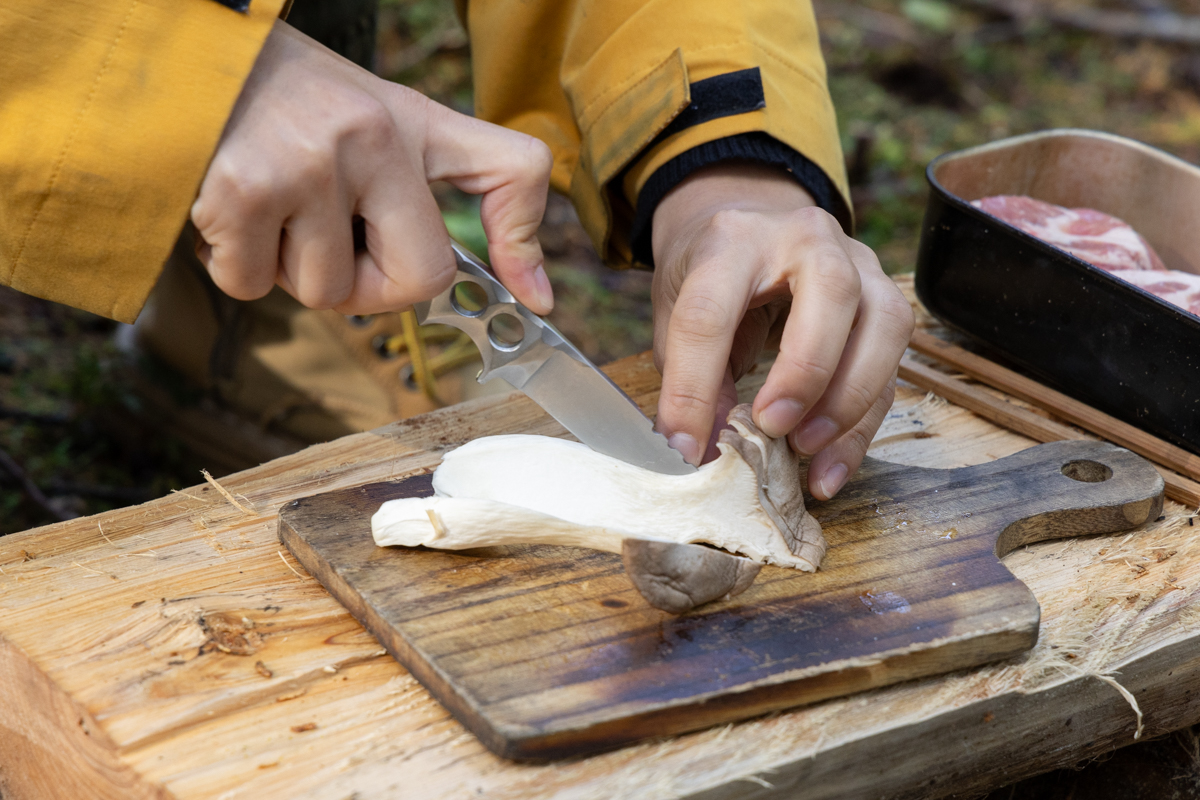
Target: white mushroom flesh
x=536 y=489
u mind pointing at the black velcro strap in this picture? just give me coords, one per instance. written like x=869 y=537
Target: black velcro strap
x=241 y=6
x=719 y=96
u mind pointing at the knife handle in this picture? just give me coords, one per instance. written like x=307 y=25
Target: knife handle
x=513 y=341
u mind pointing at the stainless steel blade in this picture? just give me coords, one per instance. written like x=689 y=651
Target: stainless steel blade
x=550 y=370
x=600 y=415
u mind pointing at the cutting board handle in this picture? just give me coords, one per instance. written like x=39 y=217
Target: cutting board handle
x=1071 y=488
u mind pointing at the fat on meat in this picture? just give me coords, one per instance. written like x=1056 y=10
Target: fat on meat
x=1177 y=288
x=1099 y=239
x=1093 y=236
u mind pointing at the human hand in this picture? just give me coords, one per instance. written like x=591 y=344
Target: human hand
x=733 y=246
x=315 y=142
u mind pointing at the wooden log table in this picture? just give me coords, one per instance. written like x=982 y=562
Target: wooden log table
x=175 y=649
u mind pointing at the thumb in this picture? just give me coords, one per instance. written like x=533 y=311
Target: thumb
x=512 y=172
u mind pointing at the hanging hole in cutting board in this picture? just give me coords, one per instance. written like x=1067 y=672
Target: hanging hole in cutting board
x=1087 y=471
x=506 y=332
x=469 y=299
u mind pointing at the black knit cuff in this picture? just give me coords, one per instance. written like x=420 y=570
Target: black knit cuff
x=756 y=147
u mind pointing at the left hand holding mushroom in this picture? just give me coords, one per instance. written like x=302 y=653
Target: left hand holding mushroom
x=734 y=245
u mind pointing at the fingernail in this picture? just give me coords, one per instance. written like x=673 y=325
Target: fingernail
x=780 y=417
x=685 y=443
x=832 y=480
x=541 y=285
x=815 y=434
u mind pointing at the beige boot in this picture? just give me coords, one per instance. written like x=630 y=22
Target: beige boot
x=277 y=376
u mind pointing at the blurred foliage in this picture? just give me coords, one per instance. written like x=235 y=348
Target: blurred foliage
x=69 y=420
x=461 y=214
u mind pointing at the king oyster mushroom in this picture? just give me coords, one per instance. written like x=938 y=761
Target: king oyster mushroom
x=540 y=490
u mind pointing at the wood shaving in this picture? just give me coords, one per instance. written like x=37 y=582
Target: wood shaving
x=289 y=566
x=1129 y=698
x=225 y=493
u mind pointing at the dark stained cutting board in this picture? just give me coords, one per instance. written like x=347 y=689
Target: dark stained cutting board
x=546 y=652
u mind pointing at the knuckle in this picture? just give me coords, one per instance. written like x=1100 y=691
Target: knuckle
x=236 y=284
x=859 y=400
x=886 y=398
x=539 y=158
x=818 y=221
x=314 y=298
x=370 y=120
x=730 y=223
x=857 y=439
x=858 y=250
x=838 y=280
x=686 y=400
x=699 y=316
x=248 y=193
x=433 y=278
x=203 y=214
x=312 y=166
x=897 y=314
x=808 y=372
x=324 y=294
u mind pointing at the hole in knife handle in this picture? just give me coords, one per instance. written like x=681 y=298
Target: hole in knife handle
x=506 y=332
x=1087 y=471
x=469 y=299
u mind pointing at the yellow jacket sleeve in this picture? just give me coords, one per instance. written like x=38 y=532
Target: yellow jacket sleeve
x=109 y=113
x=600 y=80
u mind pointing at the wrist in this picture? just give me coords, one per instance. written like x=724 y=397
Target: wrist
x=725 y=186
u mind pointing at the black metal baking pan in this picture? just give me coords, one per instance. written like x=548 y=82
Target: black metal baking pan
x=1068 y=323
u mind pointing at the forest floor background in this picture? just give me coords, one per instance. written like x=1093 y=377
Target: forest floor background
x=911 y=79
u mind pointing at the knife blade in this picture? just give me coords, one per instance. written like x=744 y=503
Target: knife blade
x=529 y=353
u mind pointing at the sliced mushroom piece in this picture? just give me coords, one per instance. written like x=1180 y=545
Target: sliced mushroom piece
x=540 y=490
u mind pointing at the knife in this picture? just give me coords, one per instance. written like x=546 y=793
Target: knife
x=527 y=351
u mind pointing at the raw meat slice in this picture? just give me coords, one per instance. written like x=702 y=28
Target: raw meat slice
x=1100 y=239
x=1095 y=237
x=1177 y=288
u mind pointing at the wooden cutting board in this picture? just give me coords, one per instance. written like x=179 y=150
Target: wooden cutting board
x=547 y=652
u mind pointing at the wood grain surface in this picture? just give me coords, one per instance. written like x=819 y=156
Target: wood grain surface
x=1023 y=420
x=114 y=683
x=549 y=652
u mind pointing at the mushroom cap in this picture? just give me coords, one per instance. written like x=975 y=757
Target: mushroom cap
x=678 y=577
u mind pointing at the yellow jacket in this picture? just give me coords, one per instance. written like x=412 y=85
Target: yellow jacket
x=111 y=109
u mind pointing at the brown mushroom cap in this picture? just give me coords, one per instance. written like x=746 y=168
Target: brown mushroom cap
x=679 y=577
